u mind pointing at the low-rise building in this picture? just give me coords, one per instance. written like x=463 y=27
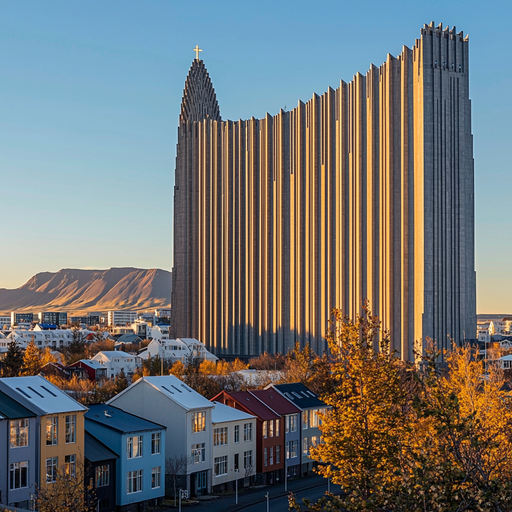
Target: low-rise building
x=21 y=318
x=188 y=417
x=312 y=409
x=53 y=317
x=180 y=349
x=5 y=322
x=140 y=448
x=60 y=424
x=94 y=369
x=100 y=474
x=19 y=454
x=234 y=447
x=116 y=361
x=121 y=317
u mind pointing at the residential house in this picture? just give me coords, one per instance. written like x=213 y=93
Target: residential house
x=269 y=433
x=100 y=474
x=63 y=371
x=140 y=446
x=94 y=369
x=188 y=417
x=60 y=424
x=117 y=360
x=311 y=409
x=234 y=447
x=290 y=425
x=20 y=453
x=180 y=349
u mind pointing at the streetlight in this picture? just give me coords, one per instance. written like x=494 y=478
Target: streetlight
x=285 y=478
x=268 y=501
x=236 y=487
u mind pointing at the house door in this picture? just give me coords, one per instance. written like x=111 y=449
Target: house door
x=201 y=483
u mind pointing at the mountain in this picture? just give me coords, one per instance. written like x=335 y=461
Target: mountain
x=79 y=291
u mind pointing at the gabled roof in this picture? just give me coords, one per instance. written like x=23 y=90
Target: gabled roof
x=223 y=413
x=39 y=396
x=96 y=451
x=299 y=394
x=174 y=389
x=277 y=402
x=129 y=338
x=91 y=363
x=118 y=420
x=252 y=404
x=13 y=410
x=111 y=354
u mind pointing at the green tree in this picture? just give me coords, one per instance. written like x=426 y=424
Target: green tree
x=13 y=360
x=120 y=382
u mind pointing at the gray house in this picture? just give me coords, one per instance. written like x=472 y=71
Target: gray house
x=311 y=406
x=18 y=453
x=188 y=417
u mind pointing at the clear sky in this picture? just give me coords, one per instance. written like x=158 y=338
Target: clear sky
x=90 y=95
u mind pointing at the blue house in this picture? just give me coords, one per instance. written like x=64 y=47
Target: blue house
x=140 y=446
x=19 y=453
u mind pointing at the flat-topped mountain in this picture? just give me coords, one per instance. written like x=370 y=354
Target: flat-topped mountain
x=79 y=291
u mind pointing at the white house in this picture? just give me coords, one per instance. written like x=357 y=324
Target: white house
x=117 y=360
x=234 y=446
x=166 y=400
x=180 y=349
x=485 y=331
x=121 y=317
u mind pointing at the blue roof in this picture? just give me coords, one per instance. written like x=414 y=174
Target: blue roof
x=96 y=451
x=118 y=420
x=300 y=395
x=47 y=326
x=13 y=410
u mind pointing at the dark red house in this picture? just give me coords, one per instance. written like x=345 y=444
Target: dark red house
x=95 y=371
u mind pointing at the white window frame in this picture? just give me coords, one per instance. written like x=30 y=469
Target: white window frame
x=220 y=436
x=198 y=453
x=237 y=434
x=18 y=472
x=155 y=443
x=71 y=428
x=133 y=447
x=247 y=432
x=19 y=432
x=52 y=463
x=248 y=459
x=70 y=465
x=198 y=422
x=134 y=481
x=52 y=430
x=102 y=478
x=156 y=474
x=220 y=466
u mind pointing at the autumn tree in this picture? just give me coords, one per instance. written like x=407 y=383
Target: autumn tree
x=66 y=493
x=13 y=360
x=32 y=361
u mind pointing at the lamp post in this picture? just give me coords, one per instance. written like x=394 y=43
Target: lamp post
x=285 y=478
x=236 y=487
x=268 y=501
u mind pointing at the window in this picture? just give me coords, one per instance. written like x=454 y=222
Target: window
x=292 y=448
x=70 y=465
x=51 y=469
x=220 y=436
x=271 y=428
x=155 y=477
x=134 y=483
x=304 y=420
x=237 y=433
x=236 y=465
x=265 y=429
x=198 y=421
x=155 y=443
x=220 y=466
x=293 y=423
x=198 y=453
x=52 y=424
x=71 y=428
x=134 y=447
x=278 y=454
x=305 y=446
x=277 y=427
x=103 y=475
x=265 y=455
x=19 y=433
x=248 y=459
x=18 y=475
x=315 y=441
x=248 y=432
x=271 y=455
x=313 y=418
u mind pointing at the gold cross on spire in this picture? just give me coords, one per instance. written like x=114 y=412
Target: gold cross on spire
x=197 y=50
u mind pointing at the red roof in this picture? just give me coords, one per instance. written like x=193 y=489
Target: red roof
x=252 y=404
x=275 y=401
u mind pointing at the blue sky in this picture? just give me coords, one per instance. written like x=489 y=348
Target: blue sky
x=90 y=95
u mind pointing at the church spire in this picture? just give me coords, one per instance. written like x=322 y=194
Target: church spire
x=199 y=99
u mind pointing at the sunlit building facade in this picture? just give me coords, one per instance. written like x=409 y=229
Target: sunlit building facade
x=365 y=191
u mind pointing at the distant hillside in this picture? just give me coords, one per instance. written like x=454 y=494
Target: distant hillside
x=79 y=291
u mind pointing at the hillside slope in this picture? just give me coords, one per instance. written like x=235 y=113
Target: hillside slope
x=79 y=291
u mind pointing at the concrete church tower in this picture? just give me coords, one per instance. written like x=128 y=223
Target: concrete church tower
x=363 y=192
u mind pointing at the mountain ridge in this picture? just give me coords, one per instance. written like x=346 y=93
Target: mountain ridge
x=79 y=290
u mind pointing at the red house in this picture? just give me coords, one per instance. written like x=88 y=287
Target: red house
x=270 y=453
x=95 y=371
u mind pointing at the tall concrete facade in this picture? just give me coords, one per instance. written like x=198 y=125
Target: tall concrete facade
x=363 y=192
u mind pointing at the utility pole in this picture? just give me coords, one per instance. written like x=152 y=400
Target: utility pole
x=268 y=501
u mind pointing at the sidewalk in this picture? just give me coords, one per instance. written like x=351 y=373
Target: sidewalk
x=252 y=496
